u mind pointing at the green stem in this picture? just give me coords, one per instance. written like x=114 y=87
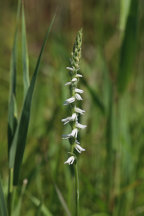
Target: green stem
x=10 y=191
x=76 y=189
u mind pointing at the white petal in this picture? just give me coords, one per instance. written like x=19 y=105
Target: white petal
x=69 y=101
x=66 y=136
x=66 y=120
x=74 y=80
x=74 y=116
x=80 y=125
x=78 y=97
x=74 y=133
x=77 y=142
x=78 y=75
x=68 y=83
x=70 y=118
x=79 y=90
x=70 y=160
x=78 y=110
x=70 y=68
x=79 y=148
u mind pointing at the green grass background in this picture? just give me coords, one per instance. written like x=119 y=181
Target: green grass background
x=112 y=168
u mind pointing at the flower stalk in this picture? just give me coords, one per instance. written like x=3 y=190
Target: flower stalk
x=72 y=102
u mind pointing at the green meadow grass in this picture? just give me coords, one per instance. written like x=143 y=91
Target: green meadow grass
x=34 y=179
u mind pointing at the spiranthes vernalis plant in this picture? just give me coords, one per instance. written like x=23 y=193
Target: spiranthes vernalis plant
x=75 y=111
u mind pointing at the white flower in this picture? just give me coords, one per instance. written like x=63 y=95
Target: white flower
x=70 y=160
x=70 y=68
x=81 y=126
x=68 y=83
x=74 y=80
x=77 y=142
x=78 y=90
x=78 y=110
x=66 y=136
x=74 y=116
x=78 y=75
x=79 y=148
x=72 y=134
x=66 y=120
x=70 y=118
x=69 y=101
x=78 y=97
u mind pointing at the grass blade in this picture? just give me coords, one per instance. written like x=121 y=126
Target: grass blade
x=40 y=205
x=128 y=48
x=19 y=141
x=109 y=145
x=124 y=10
x=3 y=209
x=17 y=210
x=60 y=196
x=12 y=111
x=12 y=107
x=25 y=59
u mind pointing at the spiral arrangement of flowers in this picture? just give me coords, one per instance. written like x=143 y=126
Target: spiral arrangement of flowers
x=75 y=96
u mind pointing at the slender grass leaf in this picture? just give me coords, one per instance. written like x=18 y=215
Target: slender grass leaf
x=40 y=205
x=124 y=10
x=17 y=209
x=12 y=111
x=25 y=59
x=12 y=120
x=3 y=209
x=19 y=141
x=94 y=96
x=128 y=48
x=107 y=83
x=109 y=144
x=61 y=198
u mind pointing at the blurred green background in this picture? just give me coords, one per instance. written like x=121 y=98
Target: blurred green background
x=112 y=168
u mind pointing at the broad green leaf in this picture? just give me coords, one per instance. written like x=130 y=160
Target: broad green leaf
x=94 y=96
x=128 y=48
x=12 y=111
x=19 y=141
x=3 y=209
x=25 y=59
